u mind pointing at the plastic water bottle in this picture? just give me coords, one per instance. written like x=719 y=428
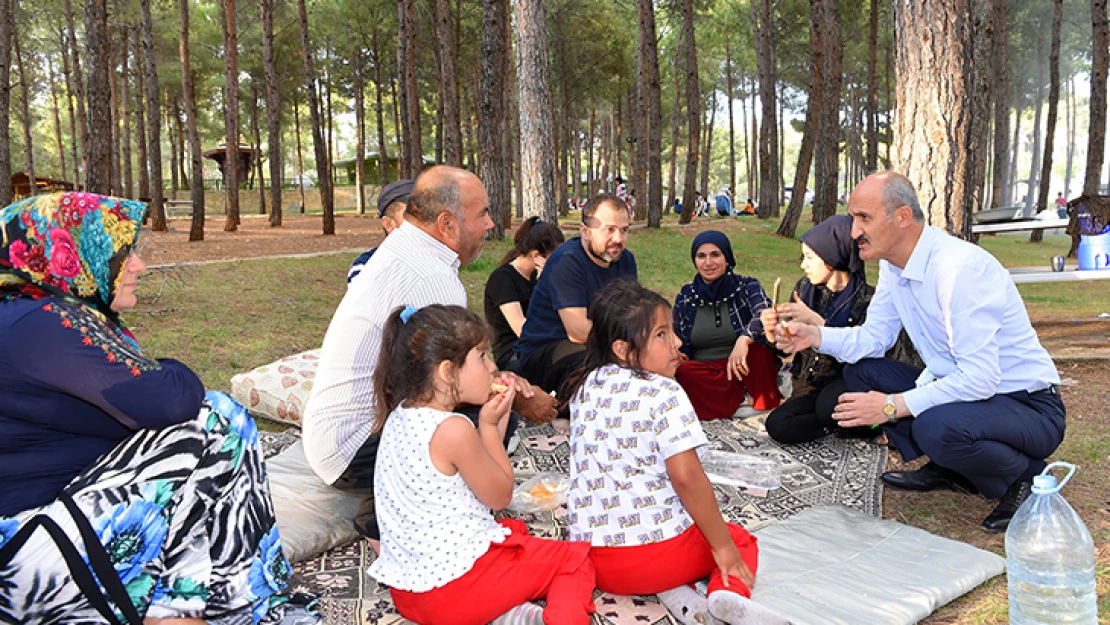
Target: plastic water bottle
x=1050 y=558
x=748 y=471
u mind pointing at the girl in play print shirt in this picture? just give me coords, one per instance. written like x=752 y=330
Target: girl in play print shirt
x=638 y=492
x=444 y=557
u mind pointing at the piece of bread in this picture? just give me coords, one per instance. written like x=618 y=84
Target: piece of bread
x=498 y=387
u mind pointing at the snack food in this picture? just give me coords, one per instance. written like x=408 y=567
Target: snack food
x=498 y=387
x=543 y=492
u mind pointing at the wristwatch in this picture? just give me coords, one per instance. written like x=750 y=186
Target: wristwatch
x=889 y=409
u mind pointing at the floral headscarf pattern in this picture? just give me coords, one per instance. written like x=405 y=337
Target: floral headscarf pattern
x=73 y=242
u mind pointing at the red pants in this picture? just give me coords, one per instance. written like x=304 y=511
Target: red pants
x=684 y=559
x=520 y=569
x=716 y=397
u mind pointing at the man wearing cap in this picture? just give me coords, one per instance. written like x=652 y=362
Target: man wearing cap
x=444 y=227
x=392 y=201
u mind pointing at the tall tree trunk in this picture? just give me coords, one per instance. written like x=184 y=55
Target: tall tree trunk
x=179 y=133
x=590 y=184
x=873 y=89
x=1053 y=105
x=383 y=153
x=74 y=133
x=1035 y=165
x=709 y=146
x=114 y=110
x=693 y=112
x=98 y=176
x=537 y=171
x=273 y=110
x=1000 y=91
x=321 y=149
x=398 y=127
x=25 y=114
x=754 y=176
x=410 y=99
x=731 y=126
x=174 y=164
x=196 y=189
x=789 y=225
x=1096 y=130
x=154 y=123
x=55 y=109
x=360 y=129
x=256 y=148
x=654 y=117
x=769 y=182
x=79 y=93
x=1011 y=175
x=449 y=71
x=676 y=113
x=300 y=151
x=1069 y=116
x=827 y=142
x=7 y=22
x=125 y=114
x=140 y=118
x=231 y=116
x=943 y=57
x=747 y=140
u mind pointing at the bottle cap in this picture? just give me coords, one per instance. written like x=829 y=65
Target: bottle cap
x=1044 y=484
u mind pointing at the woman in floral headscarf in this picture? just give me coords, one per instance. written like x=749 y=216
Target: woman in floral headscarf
x=113 y=460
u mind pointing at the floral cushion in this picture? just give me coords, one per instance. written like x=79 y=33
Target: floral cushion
x=278 y=391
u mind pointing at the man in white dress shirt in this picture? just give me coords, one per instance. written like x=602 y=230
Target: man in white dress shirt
x=417 y=265
x=986 y=409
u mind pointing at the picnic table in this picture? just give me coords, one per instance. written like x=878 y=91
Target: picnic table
x=1029 y=275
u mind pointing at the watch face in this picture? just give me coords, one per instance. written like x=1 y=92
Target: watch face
x=889 y=409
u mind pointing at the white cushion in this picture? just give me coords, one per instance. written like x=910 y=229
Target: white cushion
x=278 y=391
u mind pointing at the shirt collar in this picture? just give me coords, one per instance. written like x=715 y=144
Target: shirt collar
x=414 y=237
x=919 y=258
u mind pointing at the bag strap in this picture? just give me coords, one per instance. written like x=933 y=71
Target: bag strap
x=76 y=565
x=101 y=563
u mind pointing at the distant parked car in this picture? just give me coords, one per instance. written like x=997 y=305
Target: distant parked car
x=808 y=197
x=294 y=182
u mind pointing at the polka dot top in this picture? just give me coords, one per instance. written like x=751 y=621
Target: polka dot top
x=433 y=527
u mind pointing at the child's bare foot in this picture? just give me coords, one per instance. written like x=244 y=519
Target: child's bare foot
x=736 y=609
x=562 y=426
x=686 y=605
x=523 y=614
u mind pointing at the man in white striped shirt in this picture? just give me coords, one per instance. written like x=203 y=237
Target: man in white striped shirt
x=416 y=265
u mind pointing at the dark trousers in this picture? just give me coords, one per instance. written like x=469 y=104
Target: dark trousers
x=808 y=416
x=550 y=365
x=359 y=476
x=993 y=442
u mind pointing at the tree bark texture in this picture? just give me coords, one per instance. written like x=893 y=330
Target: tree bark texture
x=873 y=89
x=321 y=148
x=410 y=100
x=273 y=109
x=113 y=102
x=79 y=85
x=231 y=116
x=1000 y=92
x=1053 y=106
x=154 y=122
x=653 y=197
x=383 y=154
x=125 y=114
x=789 y=224
x=1096 y=130
x=140 y=117
x=693 y=112
x=731 y=126
x=709 y=146
x=449 y=81
x=676 y=112
x=55 y=109
x=6 y=28
x=256 y=147
x=25 y=113
x=537 y=168
x=827 y=141
x=357 y=69
x=98 y=176
x=196 y=190
x=770 y=179
x=942 y=69
x=1035 y=164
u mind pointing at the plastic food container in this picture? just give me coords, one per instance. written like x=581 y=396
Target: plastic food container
x=545 y=491
x=733 y=469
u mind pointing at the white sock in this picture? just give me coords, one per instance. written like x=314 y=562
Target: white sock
x=523 y=614
x=686 y=604
x=736 y=609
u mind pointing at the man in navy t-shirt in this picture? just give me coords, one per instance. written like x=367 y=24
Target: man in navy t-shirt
x=552 y=342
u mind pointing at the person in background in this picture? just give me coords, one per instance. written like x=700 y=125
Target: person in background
x=509 y=287
x=392 y=200
x=716 y=316
x=1061 y=205
x=638 y=492
x=115 y=464
x=986 y=409
x=444 y=557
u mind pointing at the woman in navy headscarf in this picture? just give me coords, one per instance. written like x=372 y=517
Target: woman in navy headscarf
x=717 y=317
x=833 y=293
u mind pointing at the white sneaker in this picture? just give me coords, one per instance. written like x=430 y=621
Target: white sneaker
x=745 y=411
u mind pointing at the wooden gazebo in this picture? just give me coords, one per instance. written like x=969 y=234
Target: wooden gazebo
x=21 y=185
x=246 y=159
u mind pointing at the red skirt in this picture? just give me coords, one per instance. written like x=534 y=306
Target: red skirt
x=714 y=396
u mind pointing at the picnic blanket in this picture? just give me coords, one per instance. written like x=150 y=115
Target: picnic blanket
x=829 y=471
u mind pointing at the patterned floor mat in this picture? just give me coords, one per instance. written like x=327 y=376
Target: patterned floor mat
x=839 y=471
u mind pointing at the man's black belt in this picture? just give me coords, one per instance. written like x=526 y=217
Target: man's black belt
x=1052 y=389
